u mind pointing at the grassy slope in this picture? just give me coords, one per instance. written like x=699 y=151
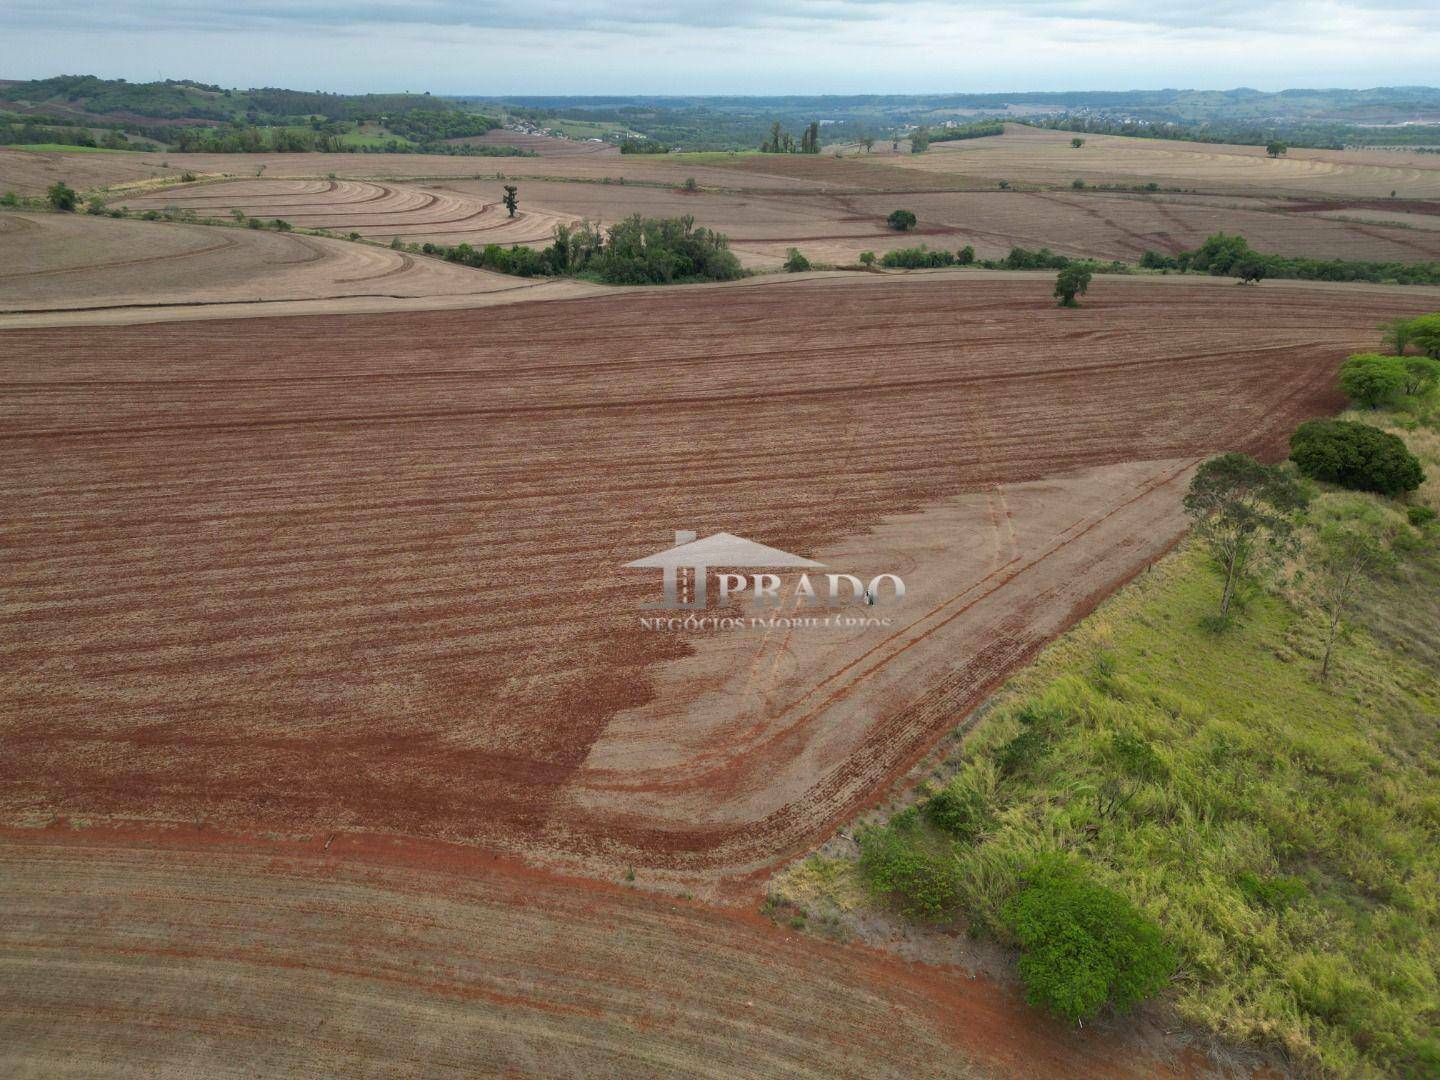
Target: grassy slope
x=1332 y=790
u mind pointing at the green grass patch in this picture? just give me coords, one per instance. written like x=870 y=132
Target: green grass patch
x=1279 y=834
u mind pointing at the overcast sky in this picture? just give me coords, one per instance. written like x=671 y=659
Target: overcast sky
x=730 y=46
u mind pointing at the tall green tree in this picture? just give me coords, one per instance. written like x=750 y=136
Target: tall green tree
x=1424 y=334
x=511 y=199
x=901 y=220
x=1395 y=336
x=1373 y=380
x=1243 y=512
x=1275 y=148
x=1072 y=281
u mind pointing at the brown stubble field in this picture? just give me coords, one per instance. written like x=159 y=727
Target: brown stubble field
x=364 y=573
x=205 y=957
x=1040 y=156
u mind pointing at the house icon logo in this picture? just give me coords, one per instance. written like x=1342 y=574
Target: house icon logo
x=686 y=567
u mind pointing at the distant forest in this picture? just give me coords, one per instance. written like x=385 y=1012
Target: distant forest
x=83 y=110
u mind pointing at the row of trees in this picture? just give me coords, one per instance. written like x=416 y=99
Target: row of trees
x=782 y=142
x=1223 y=255
x=1248 y=514
x=636 y=251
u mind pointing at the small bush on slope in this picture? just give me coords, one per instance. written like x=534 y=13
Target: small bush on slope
x=1086 y=946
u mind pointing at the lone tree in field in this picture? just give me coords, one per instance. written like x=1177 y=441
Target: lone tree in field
x=1275 y=148
x=901 y=220
x=1349 y=554
x=511 y=199
x=1071 y=282
x=62 y=196
x=1242 y=511
x=867 y=142
x=1077 y=142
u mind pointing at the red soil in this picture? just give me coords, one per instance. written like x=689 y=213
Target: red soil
x=183 y=954
x=365 y=573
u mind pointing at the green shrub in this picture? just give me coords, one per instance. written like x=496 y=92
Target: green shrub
x=965 y=256
x=9 y=199
x=1355 y=456
x=916 y=258
x=1037 y=728
x=957 y=809
x=62 y=196
x=895 y=862
x=901 y=220
x=1086 y=946
x=796 y=263
x=867 y=258
x=1420 y=516
x=1373 y=380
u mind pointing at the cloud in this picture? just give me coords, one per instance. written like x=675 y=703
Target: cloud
x=755 y=46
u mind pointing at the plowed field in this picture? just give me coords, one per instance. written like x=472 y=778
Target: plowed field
x=373 y=210
x=208 y=959
x=330 y=574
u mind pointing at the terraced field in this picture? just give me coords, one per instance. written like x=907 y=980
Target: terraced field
x=367 y=573
x=370 y=209
x=60 y=262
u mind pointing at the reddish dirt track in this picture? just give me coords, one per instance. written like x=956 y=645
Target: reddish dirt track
x=365 y=573
x=200 y=956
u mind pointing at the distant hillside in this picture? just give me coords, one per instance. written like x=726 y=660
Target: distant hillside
x=88 y=97
x=186 y=115
x=1300 y=117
